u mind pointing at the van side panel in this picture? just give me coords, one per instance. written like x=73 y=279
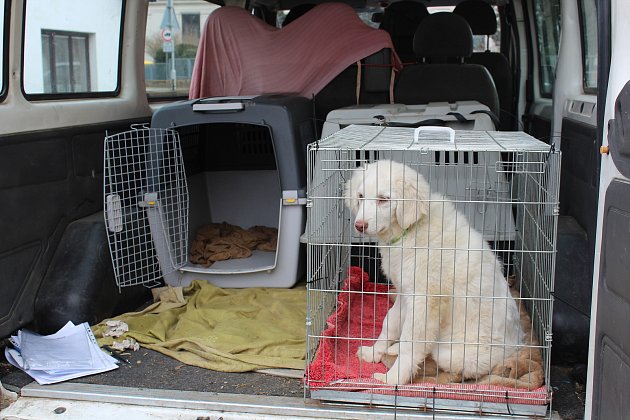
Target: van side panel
x=50 y=178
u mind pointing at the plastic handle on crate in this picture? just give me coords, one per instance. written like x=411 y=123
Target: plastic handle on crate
x=449 y=130
x=227 y=106
x=221 y=103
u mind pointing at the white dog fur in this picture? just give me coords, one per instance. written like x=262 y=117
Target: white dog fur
x=453 y=301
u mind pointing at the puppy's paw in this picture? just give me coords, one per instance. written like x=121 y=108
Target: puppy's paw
x=369 y=354
x=514 y=368
x=503 y=371
x=380 y=377
x=390 y=378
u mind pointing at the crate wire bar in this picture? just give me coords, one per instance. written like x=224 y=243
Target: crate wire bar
x=146 y=205
x=505 y=183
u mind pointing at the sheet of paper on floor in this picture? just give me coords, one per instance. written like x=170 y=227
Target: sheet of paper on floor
x=69 y=353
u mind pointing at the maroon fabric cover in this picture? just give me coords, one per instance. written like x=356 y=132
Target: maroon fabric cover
x=357 y=321
x=239 y=54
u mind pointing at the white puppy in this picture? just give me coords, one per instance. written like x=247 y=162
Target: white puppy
x=453 y=302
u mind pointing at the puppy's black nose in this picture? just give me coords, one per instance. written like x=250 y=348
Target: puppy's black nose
x=360 y=225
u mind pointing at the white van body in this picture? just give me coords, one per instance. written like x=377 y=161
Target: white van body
x=58 y=122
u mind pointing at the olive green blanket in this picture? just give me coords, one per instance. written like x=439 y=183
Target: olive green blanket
x=229 y=330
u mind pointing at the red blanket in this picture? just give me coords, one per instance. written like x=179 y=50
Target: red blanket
x=356 y=322
x=239 y=54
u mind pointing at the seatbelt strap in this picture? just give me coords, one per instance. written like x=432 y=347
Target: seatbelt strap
x=392 y=78
x=424 y=123
x=492 y=116
x=459 y=117
x=358 y=87
x=435 y=121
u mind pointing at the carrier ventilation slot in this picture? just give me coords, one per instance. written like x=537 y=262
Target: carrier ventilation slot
x=364 y=156
x=253 y=141
x=448 y=158
x=191 y=149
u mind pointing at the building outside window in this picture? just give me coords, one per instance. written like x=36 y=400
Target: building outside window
x=170 y=50
x=68 y=53
x=190 y=28
x=66 y=61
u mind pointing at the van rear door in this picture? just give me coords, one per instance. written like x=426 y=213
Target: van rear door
x=609 y=357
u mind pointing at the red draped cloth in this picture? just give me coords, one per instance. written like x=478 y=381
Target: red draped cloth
x=239 y=54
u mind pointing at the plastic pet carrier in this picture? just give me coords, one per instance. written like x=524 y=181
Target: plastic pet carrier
x=460 y=115
x=213 y=190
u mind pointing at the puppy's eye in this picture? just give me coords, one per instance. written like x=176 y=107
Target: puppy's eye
x=382 y=199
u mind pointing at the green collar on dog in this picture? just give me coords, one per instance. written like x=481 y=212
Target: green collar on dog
x=402 y=234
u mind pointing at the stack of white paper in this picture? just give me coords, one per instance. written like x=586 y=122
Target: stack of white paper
x=70 y=353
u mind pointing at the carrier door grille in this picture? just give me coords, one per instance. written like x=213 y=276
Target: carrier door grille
x=145 y=205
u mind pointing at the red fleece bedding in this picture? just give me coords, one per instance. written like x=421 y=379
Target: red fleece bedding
x=239 y=54
x=356 y=322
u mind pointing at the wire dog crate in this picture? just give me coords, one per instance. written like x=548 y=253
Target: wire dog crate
x=488 y=214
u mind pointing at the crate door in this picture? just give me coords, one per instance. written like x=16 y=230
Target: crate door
x=145 y=205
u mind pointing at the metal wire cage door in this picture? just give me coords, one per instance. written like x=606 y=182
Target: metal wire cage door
x=466 y=283
x=146 y=205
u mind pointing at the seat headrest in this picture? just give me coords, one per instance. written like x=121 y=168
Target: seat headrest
x=479 y=15
x=400 y=20
x=403 y=17
x=443 y=35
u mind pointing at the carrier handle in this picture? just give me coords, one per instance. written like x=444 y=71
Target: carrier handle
x=221 y=104
x=449 y=130
x=224 y=106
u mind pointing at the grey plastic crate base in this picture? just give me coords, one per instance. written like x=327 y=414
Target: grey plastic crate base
x=283 y=268
x=259 y=261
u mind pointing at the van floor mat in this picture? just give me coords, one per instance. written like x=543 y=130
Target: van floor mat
x=150 y=369
x=569 y=395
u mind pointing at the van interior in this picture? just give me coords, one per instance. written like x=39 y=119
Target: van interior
x=69 y=85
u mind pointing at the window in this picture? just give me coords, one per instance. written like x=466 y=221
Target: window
x=371 y=16
x=547 y=14
x=65 y=62
x=71 y=54
x=190 y=28
x=4 y=41
x=492 y=42
x=588 y=25
x=172 y=38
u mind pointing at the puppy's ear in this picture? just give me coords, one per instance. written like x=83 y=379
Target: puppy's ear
x=350 y=194
x=412 y=194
